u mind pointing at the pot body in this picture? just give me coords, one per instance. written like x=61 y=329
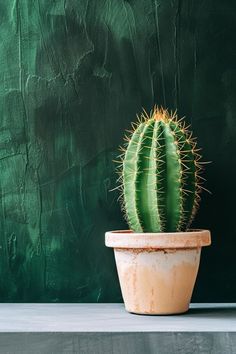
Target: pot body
x=157 y=281
x=157 y=273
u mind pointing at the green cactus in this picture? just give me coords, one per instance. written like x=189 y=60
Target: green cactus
x=160 y=174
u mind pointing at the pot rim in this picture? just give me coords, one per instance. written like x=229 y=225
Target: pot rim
x=193 y=238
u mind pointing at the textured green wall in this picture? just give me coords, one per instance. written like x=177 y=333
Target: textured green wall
x=73 y=74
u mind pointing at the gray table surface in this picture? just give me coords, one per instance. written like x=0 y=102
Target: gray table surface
x=112 y=318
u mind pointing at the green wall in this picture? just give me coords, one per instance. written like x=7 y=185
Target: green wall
x=73 y=74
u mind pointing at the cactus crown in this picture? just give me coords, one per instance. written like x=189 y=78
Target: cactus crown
x=160 y=174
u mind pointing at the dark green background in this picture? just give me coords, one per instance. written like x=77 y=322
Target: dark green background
x=73 y=74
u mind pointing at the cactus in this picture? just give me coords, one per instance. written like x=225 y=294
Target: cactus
x=160 y=174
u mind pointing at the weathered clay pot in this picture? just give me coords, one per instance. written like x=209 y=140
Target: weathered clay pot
x=157 y=271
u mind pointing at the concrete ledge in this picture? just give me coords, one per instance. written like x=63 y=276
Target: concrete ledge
x=108 y=328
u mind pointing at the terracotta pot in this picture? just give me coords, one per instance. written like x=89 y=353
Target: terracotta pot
x=157 y=271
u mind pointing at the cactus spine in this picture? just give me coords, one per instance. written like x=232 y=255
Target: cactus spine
x=160 y=174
